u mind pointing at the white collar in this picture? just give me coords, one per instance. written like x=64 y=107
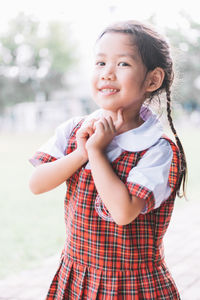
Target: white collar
x=142 y=137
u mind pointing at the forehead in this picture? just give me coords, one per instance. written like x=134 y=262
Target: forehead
x=116 y=43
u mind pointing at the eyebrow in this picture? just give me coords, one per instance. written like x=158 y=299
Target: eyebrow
x=132 y=56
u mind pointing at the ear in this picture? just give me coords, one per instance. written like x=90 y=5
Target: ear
x=155 y=79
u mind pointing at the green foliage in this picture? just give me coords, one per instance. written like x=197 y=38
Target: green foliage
x=185 y=40
x=54 y=41
x=33 y=59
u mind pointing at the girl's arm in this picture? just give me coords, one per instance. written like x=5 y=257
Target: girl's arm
x=48 y=176
x=113 y=192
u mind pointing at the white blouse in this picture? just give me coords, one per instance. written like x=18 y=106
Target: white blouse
x=152 y=170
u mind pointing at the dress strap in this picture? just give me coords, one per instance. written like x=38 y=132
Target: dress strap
x=174 y=172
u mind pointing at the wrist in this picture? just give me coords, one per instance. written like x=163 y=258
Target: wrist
x=95 y=152
x=81 y=157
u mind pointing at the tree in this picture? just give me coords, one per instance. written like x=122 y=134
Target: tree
x=33 y=59
x=186 y=42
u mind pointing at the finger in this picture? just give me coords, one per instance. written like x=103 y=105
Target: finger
x=105 y=124
x=101 y=123
x=120 y=119
x=86 y=129
x=91 y=122
x=111 y=124
x=99 y=126
x=90 y=131
x=91 y=127
x=88 y=125
x=96 y=121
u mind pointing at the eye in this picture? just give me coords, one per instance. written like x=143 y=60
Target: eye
x=123 y=64
x=100 y=63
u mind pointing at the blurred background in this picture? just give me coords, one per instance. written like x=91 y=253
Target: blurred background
x=46 y=53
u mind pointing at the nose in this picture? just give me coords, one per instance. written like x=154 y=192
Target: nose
x=108 y=73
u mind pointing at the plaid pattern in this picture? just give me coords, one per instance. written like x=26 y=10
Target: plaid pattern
x=143 y=193
x=40 y=157
x=81 y=282
x=102 y=260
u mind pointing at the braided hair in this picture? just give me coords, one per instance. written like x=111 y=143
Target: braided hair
x=155 y=52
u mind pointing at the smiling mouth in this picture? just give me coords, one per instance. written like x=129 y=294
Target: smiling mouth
x=106 y=91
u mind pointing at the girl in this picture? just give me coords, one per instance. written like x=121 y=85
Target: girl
x=122 y=175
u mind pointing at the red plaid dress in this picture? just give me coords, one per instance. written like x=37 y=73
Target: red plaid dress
x=102 y=260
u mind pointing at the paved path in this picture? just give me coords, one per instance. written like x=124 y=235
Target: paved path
x=182 y=249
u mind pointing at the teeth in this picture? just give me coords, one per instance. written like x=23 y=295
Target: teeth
x=108 y=90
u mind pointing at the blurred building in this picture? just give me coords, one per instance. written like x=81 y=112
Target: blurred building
x=42 y=116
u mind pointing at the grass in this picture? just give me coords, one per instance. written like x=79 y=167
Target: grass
x=32 y=227
x=190 y=138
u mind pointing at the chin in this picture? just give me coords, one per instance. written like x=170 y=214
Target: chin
x=105 y=104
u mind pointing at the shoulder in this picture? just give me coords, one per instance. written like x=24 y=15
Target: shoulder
x=171 y=143
x=67 y=126
x=163 y=144
x=70 y=124
x=159 y=152
x=174 y=173
x=143 y=137
x=164 y=151
x=174 y=150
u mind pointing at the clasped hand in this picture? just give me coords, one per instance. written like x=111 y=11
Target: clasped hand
x=96 y=134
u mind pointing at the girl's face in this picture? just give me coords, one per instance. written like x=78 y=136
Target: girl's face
x=118 y=79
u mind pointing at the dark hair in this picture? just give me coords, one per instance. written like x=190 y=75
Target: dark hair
x=155 y=52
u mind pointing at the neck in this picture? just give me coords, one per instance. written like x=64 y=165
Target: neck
x=132 y=119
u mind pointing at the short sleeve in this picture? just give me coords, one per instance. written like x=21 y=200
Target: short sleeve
x=149 y=180
x=55 y=147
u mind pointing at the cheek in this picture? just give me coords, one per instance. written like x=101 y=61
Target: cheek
x=133 y=81
x=127 y=78
x=93 y=86
x=128 y=82
x=94 y=80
